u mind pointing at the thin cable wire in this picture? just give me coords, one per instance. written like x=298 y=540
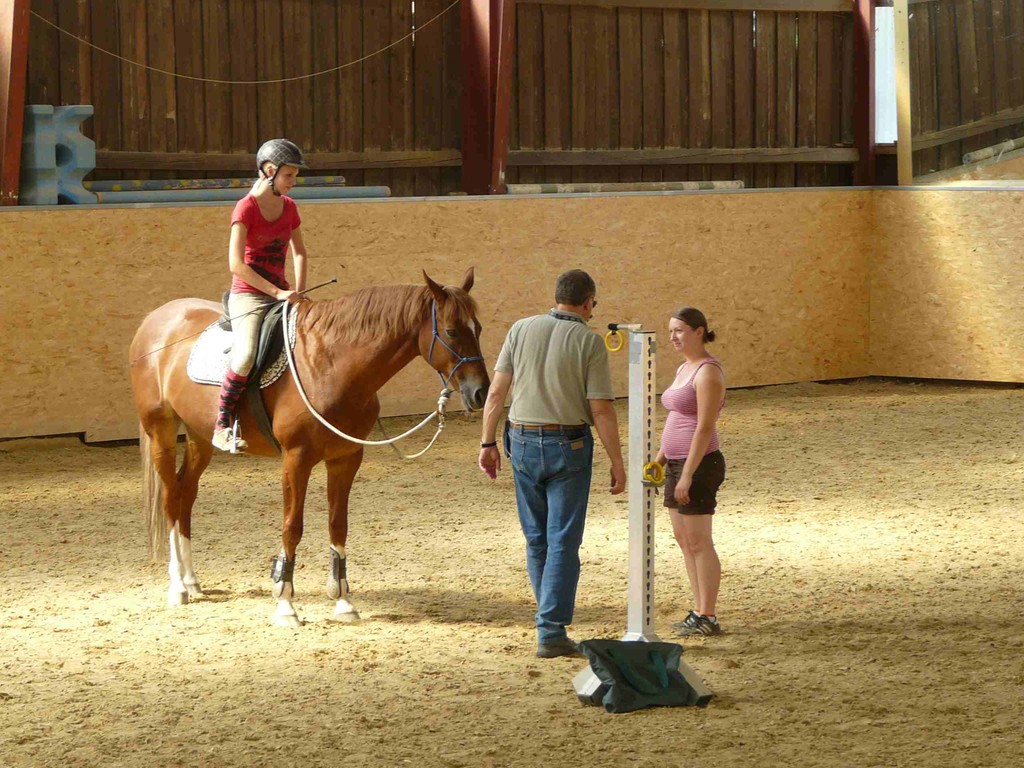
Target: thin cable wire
x=246 y=82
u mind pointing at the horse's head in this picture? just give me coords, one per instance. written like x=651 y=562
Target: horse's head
x=451 y=343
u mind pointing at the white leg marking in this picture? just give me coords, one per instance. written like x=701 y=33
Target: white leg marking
x=190 y=580
x=176 y=593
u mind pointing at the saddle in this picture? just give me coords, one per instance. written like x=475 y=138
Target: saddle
x=208 y=362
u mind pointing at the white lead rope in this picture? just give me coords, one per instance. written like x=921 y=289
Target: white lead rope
x=442 y=401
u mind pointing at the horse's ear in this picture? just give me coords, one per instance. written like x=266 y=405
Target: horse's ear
x=467 y=281
x=435 y=289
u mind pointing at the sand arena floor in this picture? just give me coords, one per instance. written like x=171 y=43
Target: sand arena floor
x=871 y=537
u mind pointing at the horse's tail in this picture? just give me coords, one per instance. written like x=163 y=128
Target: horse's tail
x=152 y=502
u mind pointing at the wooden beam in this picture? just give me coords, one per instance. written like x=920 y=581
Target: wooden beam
x=477 y=96
x=238 y=161
x=799 y=6
x=504 y=52
x=904 y=145
x=831 y=155
x=13 y=69
x=994 y=122
x=958 y=172
x=996 y=150
x=864 y=92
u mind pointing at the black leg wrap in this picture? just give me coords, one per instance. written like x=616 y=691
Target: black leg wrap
x=338 y=568
x=282 y=569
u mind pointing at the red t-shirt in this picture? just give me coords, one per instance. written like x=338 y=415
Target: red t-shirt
x=266 y=242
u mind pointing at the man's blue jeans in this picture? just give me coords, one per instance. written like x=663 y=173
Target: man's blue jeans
x=552 y=471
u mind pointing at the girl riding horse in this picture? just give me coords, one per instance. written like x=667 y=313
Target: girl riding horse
x=345 y=350
x=264 y=226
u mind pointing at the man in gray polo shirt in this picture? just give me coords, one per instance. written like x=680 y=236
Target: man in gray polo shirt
x=558 y=372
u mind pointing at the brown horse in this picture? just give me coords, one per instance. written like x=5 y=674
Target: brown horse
x=345 y=350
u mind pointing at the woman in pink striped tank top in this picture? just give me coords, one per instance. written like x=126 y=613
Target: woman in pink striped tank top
x=694 y=465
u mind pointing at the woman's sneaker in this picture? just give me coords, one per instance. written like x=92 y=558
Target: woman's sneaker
x=701 y=625
x=692 y=621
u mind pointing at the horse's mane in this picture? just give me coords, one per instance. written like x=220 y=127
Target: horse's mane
x=373 y=315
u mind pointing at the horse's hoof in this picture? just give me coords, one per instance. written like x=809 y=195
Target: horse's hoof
x=194 y=590
x=346 y=617
x=176 y=599
x=288 y=622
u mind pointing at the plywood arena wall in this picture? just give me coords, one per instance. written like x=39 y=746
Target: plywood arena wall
x=783 y=278
x=947 y=284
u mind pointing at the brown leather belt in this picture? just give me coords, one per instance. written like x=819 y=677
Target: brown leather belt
x=546 y=427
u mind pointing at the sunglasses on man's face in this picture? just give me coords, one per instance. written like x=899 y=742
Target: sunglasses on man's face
x=593 y=302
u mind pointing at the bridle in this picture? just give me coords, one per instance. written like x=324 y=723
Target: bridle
x=446 y=382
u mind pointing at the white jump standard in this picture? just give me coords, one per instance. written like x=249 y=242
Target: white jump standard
x=644 y=478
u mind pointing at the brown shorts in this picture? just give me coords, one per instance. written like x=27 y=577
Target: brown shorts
x=707 y=480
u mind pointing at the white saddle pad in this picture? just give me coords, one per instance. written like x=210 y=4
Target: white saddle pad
x=209 y=359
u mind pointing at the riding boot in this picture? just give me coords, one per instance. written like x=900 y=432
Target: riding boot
x=230 y=391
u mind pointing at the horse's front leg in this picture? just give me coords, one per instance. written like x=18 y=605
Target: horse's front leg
x=294 y=481
x=340 y=474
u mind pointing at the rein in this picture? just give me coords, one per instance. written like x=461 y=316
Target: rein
x=442 y=400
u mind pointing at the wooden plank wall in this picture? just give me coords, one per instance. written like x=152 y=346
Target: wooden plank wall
x=967 y=65
x=648 y=78
x=586 y=77
x=404 y=99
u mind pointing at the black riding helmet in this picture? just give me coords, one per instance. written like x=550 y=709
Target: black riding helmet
x=279 y=152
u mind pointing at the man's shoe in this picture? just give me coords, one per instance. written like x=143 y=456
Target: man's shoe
x=691 y=621
x=556 y=648
x=704 y=626
x=224 y=439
